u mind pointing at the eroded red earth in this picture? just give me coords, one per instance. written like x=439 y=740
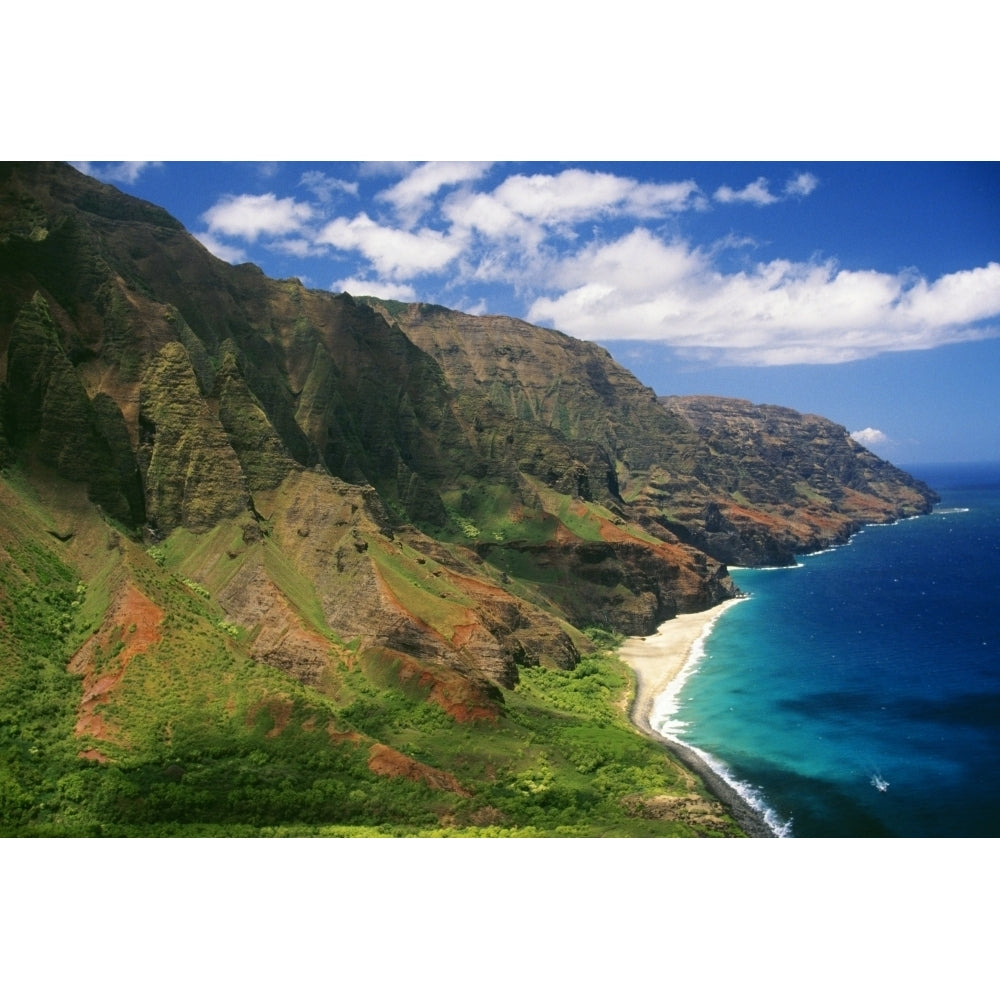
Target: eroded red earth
x=389 y=763
x=131 y=626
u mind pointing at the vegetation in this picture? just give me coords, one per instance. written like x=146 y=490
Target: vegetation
x=228 y=746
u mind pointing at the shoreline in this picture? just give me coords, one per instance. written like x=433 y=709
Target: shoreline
x=656 y=661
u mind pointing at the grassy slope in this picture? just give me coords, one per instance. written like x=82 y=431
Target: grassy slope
x=167 y=726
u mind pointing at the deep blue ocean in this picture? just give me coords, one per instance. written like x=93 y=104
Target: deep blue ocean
x=877 y=658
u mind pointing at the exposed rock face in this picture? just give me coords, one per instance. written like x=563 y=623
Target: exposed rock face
x=47 y=406
x=193 y=477
x=563 y=409
x=280 y=638
x=776 y=482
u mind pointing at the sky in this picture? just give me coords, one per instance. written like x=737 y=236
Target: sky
x=866 y=292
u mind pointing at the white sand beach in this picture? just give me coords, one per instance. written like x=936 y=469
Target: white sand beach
x=657 y=659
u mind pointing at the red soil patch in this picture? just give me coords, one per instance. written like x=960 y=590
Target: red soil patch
x=563 y=536
x=453 y=694
x=389 y=763
x=133 y=622
x=478 y=588
x=455 y=704
x=463 y=633
x=138 y=610
x=612 y=533
x=737 y=513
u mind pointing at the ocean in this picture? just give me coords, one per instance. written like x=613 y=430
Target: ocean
x=857 y=694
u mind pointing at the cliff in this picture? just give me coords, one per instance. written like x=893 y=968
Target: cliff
x=767 y=482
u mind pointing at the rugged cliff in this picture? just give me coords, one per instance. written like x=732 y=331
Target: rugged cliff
x=767 y=482
x=747 y=484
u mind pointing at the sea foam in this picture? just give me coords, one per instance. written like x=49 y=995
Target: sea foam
x=663 y=719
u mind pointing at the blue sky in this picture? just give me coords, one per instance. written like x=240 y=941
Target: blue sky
x=865 y=292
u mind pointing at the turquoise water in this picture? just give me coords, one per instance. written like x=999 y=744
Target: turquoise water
x=880 y=657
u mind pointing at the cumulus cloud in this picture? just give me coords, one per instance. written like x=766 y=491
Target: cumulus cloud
x=126 y=172
x=298 y=246
x=801 y=185
x=395 y=253
x=413 y=194
x=510 y=227
x=870 y=437
x=779 y=312
x=574 y=195
x=324 y=188
x=756 y=193
x=378 y=289
x=490 y=218
x=224 y=251
x=253 y=215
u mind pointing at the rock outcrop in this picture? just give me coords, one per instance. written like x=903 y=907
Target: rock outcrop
x=767 y=482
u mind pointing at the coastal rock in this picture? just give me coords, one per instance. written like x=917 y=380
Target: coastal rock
x=775 y=482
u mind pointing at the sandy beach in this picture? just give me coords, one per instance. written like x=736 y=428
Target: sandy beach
x=656 y=661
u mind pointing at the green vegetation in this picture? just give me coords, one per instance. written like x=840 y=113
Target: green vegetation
x=198 y=739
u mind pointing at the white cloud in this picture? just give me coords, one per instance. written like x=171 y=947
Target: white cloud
x=509 y=226
x=395 y=253
x=385 y=168
x=250 y=215
x=959 y=298
x=494 y=220
x=379 y=289
x=801 y=185
x=777 y=313
x=756 y=193
x=575 y=195
x=759 y=192
x=297 y=246
x=566 y=197
x=656 y=199
x=412 y=195
x=324 y=187
x=870 y=437
x=230 y=254
x=126 y=172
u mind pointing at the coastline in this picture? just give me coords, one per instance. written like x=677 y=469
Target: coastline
x=656 y=661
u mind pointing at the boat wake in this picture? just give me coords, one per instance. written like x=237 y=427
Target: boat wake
x=879 y=782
